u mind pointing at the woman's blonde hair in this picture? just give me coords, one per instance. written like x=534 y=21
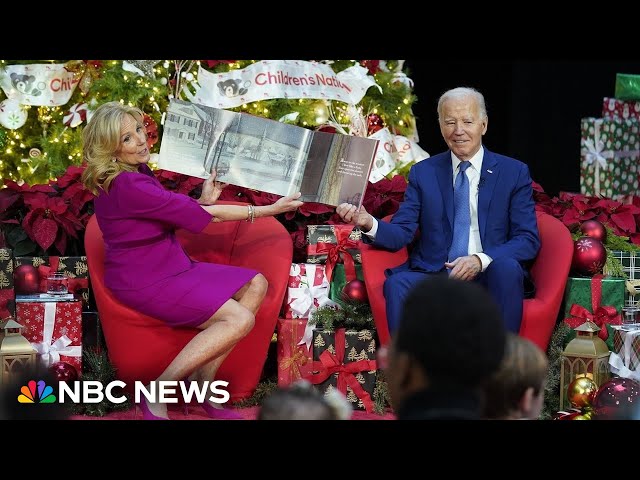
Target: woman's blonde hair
x=101 y=140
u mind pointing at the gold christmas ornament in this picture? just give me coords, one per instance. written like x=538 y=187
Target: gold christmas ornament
x=581 y=392
x=585 y=356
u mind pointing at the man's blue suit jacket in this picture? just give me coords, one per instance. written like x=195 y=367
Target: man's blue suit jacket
x=506 y=214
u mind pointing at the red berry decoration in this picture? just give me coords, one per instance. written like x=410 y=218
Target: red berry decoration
x=26 y=279
x=594 y=229
x=355 y=290
x=589 y=256
x=374 y=123
x=64 y=372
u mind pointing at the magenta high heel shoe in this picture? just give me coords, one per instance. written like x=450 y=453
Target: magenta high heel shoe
x=147 y=414
x=220 y=413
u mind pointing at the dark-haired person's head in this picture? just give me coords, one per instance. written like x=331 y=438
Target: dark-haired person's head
x=451 y=338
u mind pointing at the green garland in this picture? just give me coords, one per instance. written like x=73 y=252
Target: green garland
x=351 y=315
x=552 y=383
x=96 y=366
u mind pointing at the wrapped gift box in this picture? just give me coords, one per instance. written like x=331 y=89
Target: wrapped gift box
x=7 y=295
x=345 y=359
x=627 y=86
x=580 y=305
x=631 y=265
x=294 y=359
x=345 y=237
x=75 y=268
x=340 y=279
x=626 y=344
x=54 y=329
x=614 y=107
x=308 y=289
x=610 y=153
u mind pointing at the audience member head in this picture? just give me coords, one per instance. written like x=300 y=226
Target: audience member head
x=451 y=335
x=516 y=390
x=301 y=401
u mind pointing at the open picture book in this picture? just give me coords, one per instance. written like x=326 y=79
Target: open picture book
x=266 y=155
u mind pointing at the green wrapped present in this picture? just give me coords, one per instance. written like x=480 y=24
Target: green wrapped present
x=339 y=280
x=598 y=299
x=610 y=150
x=627 y=86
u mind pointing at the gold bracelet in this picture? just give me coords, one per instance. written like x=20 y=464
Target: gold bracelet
x=249 y=213
x=253 y=213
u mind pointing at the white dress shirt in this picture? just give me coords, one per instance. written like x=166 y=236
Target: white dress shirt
x=473 y=174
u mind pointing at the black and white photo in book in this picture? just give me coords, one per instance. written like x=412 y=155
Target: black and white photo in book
x=266 y=155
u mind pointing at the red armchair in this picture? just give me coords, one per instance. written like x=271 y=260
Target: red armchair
x=141 y=347
x=549 y=273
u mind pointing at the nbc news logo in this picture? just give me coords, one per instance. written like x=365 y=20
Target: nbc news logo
x=36 y=392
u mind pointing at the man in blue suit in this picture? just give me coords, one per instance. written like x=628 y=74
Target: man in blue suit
x=474 y=209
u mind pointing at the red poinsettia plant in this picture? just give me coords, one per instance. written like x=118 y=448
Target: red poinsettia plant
x=573 y=209
x=45 y=219
x=50 y=219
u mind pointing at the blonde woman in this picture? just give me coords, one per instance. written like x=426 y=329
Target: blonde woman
x=138 y=219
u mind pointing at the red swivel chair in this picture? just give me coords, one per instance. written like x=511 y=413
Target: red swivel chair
x=140 y=347
x=549 y=272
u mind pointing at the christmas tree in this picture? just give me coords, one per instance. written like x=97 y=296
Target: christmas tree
x=45 y=104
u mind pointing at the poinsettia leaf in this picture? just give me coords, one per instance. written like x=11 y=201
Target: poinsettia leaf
x=44 y=232
x=26 y=247
x=625 y=221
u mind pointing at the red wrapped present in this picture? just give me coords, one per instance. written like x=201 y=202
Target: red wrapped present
x=294 y=356
x=613 y=107
x=54 y=329
x=7 y=294
x=308 y=289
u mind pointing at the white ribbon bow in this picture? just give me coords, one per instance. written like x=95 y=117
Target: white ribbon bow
x=49 y=352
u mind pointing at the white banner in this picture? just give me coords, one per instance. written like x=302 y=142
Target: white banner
x=393 y=152
x=269 y=79
x=38 y=84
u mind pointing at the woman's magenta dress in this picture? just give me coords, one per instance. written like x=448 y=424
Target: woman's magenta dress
x=145 y=265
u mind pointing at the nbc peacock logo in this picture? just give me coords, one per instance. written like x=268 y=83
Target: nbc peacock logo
x=44 y=393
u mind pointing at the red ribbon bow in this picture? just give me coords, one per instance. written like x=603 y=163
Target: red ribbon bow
x=333 y=250
x=73 y=284
x=601 y=316
x=330 y=364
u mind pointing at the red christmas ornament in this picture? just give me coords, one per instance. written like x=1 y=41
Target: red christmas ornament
x=374 y=123
x=64 y=372
x=26 y=279
x=355 y=290
x=152 y=130
x=594 y=229
x=589 y=256
x=618 y=399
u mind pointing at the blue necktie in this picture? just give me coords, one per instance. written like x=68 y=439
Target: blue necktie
x=461 y=216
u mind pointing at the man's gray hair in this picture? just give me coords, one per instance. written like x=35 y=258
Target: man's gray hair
x=462 y=92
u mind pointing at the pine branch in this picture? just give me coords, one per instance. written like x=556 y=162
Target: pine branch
x=552 y=384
